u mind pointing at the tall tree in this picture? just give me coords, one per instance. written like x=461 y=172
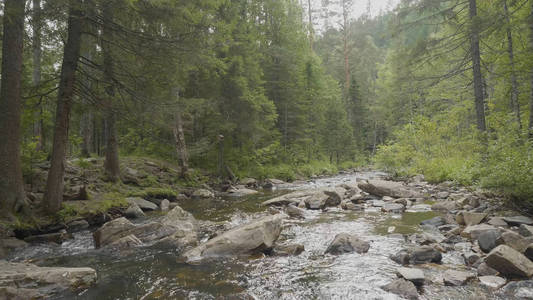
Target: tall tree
x=515 y=105
x=346 y=11
x=476 y=66
x=111 y=164
x=11 y=185
x=53 y=196
x=37 y=53
x=530 y=20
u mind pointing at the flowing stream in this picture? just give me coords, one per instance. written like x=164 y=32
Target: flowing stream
x=151 y=273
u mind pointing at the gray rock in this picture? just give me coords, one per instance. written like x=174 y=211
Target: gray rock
x=402 y=257
x=526 y=230
x=126 y=242
x=383 y=188
x=514 y=240
x=316 y=201
x=8 y=245
x=143 y=204
x=497 y=221
x=112 y=231
x=77 y=225
x=346 y=243
x=393 y=208
x=290 y=198
x=436 y=221
x=473 y=232
x=471 y=258
x=134 y=212
x=457 y=278
x=295 y=212
x=249 y=182
x=241 y=192
x=518 y=220
x=348 y=205
x=27 y=280
x=471 y=218
x=444 y=206
x=484 y=270
x=518 y=290
x=403 y=288
x=488 y=240
x=424 y=254
x=416 y=276
x=203 y=194
x=493 y=282
x=256 y=236
x=509 y=262
x=289 y=250
x=164 y=205
x=443 y=195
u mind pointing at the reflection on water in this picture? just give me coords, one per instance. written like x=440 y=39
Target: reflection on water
x=150 y=273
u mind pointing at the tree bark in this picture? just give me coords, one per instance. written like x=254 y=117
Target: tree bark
x=476 y=66
x=54 y=185
x=12 y=196
x=111 y=164
x=179 y=138
x=36 y=76
x=345 y=16
x=87 y=117
x=515 y=105
x=311 y=31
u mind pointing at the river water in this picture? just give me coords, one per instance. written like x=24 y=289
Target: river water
x=150 y=273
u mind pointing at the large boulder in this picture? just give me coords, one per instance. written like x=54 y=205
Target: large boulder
x=472 y=218
x=112 y=231
x=289 y=250
x=295 y=212
x=519 y=290
x=257 y=236
x=383 y=188
x=444 y=206
x=424 y=254
x=403 y=288
x=143 y=204
x=509 y=262
x=515 y=241
x=393 y=208
x=492 y=282
x=9 y=245
x=316 y=201
x=347 y=243
x=291 y=198
x=241 y=192
x=28 y=281
x=473 y=232
x=488 y=240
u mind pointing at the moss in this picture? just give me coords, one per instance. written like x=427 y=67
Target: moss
x=156 y=193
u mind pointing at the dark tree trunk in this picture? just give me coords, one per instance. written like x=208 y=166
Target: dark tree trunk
x=12 y=196
x=476 y=66
x=179 y=138
x=311 y=31
x=37 y=51
x=111 y=164
x=54 y=185
x=515 y=105
x=87 y=117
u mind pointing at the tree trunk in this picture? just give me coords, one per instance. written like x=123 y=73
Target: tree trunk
x=531 y=74
x=345 y=15
x=179 y=138
x=12 y=196
x=476 y=66
x=515 y=104
x=88 y=51
x=36 y=76
x=54 y=185
x=311 y=31
x=111 y=164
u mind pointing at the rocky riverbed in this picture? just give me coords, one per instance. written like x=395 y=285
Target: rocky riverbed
x=354 y=235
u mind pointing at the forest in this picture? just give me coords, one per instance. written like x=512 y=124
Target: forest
x=168 y=111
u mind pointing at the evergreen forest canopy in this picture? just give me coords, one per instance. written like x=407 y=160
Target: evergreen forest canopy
x=248 y=88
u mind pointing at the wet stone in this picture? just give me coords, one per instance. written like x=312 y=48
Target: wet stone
x=346 y=243
x=526 y=230
x=518 y=220
x=488 y=240
x=436 y=221
x=416 y=276
x=457 y=278
x=403 y=288
x=493 y=282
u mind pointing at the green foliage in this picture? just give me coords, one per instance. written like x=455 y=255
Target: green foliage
x=156 y=193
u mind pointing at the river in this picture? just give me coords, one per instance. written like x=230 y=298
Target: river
x=151 y=273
